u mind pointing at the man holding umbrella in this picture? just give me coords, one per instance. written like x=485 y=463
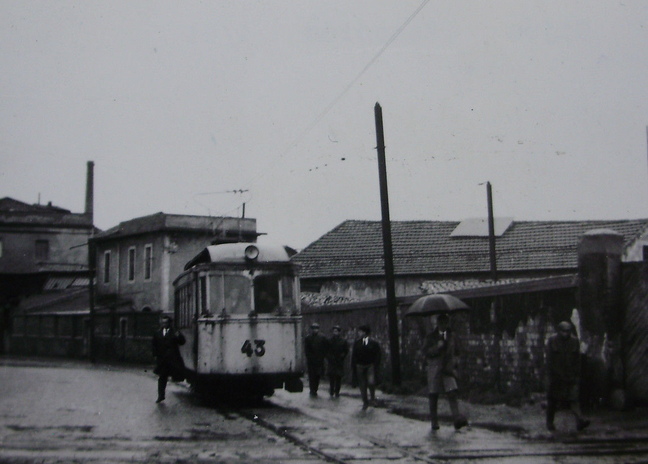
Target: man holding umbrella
x=439 y=351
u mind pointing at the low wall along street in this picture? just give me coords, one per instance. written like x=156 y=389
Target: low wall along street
x=500 y=341
x=118 y=336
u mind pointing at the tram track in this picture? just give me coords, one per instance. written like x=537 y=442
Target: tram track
x=315 y=436
x=285 y=433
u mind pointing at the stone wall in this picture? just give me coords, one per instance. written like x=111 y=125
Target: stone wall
x=500 y=341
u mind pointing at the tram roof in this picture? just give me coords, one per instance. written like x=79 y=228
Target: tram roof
x=236 y=253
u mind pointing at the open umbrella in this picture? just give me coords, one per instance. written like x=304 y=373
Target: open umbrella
x=436 y=304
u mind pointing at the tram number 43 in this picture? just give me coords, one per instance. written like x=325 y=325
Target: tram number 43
x=258 y=348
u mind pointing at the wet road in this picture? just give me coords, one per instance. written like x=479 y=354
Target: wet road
x=98 y=414
x=53 y=412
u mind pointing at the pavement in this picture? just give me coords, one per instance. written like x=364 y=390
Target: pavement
x=526 y=422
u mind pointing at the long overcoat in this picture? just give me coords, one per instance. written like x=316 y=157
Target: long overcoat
x=439 y=350
x=315 y=347
x=166 y=349
x=564 y=368
x=338 y=349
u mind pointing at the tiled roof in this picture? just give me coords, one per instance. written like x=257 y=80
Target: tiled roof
x=355 y=248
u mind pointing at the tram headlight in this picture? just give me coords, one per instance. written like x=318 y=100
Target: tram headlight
x=251 y=252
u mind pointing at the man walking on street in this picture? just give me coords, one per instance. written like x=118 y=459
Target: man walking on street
x=439 y=350
x=365 y=362
x=338 y=348
x=166 y=350
x=315 y=347
x=564 y=366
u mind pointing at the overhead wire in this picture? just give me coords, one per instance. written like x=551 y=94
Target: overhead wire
x=334 y=102
x=320 y=116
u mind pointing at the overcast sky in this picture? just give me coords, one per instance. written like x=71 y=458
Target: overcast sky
x=198 y=107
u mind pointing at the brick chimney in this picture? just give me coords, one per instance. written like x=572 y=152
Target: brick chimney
x=89 y=202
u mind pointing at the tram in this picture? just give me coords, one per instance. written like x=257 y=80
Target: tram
x=238 y=306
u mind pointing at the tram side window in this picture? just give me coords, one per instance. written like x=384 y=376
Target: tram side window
x=266 y=293
x=216 y=293
x=184 y=306
x=237 y=294
x=287 y=294
x=204 y=308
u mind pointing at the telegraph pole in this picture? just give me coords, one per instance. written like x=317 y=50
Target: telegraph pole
x=387 y=246
x=92 y=266
x=491 y=232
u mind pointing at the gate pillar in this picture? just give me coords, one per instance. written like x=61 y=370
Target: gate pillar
x=601 y=315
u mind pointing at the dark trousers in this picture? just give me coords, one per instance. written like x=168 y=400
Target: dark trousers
x=162 y=383
x=336 y=383
x=552 y=406
x=366 y=381
x=454 y=407
x=314 y=376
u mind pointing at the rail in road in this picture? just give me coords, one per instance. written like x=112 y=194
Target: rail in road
x=79 y=413
x=342 y=432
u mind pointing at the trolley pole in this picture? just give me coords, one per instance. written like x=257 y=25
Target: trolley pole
x=394 y=345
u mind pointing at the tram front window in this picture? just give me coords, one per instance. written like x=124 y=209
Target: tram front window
x=237 y=295
x=266 y=294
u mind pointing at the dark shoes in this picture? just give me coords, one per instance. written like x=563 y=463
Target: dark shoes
x=435 y=426
x=365 y=406
x=582 y=424
x=551 y=427
x=160 y=399
x=460 y=422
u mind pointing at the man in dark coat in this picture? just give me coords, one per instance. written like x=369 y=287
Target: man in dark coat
x=338 y=349
x=315 y=347
x=439 y=350
x=166 y=343
x=365 y=362
x=564 y=368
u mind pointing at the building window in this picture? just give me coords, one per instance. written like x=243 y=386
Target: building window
x=106 y=267
x=42 y=250
x=148 y=261
x=123 y=327
x=131 y=264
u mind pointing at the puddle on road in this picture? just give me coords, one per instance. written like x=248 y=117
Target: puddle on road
x=65 y=428
x=202 y=435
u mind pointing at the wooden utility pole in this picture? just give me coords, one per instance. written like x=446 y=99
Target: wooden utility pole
x=394 y=345
x=92 y=267
x=491 y=233
x=92 y=260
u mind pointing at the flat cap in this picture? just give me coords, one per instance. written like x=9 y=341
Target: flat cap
x=564 y=325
